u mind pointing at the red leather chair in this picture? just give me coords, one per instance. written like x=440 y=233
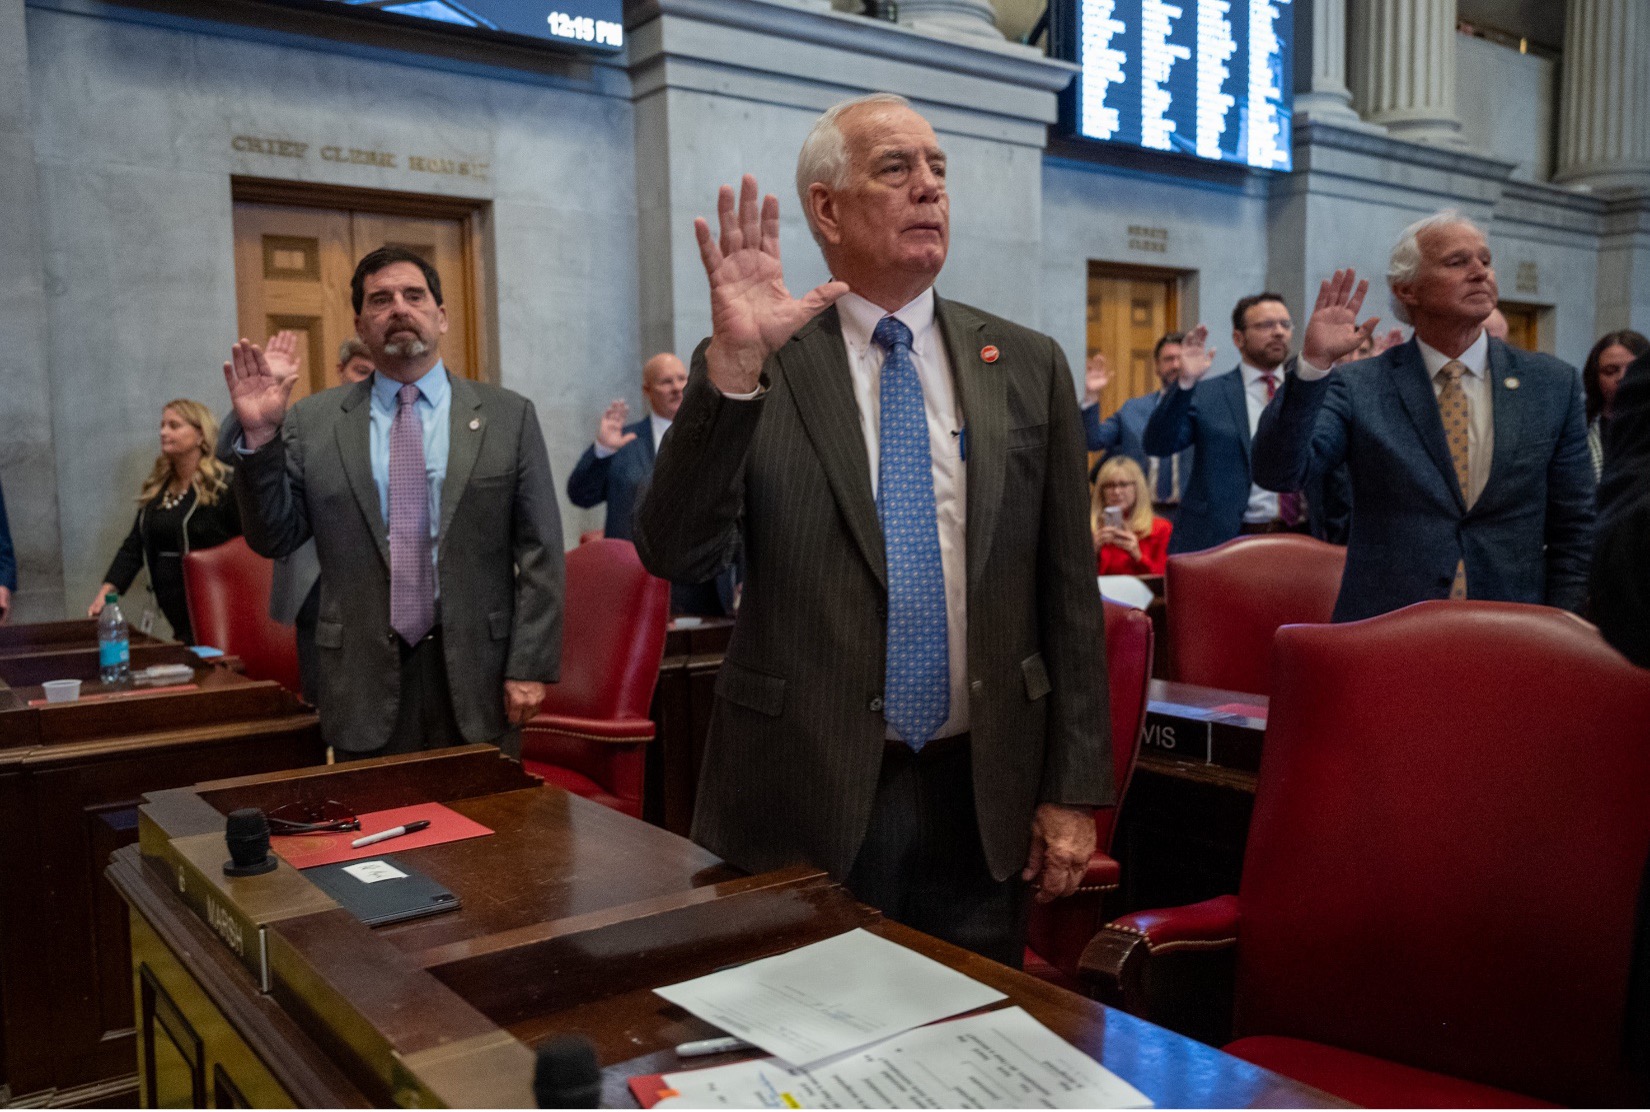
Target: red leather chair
x=591 y=734
x=227 y=590
x=1057 y=932
x=1441 y=887
x=1223 y=605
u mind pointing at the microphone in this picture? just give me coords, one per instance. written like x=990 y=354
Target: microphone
x=566 y=1074
x=247 y=836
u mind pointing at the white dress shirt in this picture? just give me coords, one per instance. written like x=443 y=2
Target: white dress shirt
x=1480 y=409
x=945 y=422
x=1263 y=503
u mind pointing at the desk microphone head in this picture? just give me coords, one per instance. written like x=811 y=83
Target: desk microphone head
x=247 y=835
x=566 y=1074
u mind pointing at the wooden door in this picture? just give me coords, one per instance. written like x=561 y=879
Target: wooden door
x=1523 y=325
x=1129 y=309
x=292 y=271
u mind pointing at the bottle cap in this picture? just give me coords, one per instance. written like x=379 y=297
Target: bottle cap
x=111 y=597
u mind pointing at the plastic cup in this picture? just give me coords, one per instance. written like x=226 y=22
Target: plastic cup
x=61 y=691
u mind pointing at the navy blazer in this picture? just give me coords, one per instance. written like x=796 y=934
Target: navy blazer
x=1213 y=415
x=1529 y=536
x=1122 y=434
x=615 y=480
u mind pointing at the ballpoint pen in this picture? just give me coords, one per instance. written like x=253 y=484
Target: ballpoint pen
x=392 y=832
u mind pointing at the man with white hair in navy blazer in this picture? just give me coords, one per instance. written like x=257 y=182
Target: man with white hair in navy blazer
x=1468 y=458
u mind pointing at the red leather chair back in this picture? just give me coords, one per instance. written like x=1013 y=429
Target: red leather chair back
x=613 y=634
x=1449 y=837
x=1224 y=605
x=1129 y=668
x=227 y=590
x=589 y=735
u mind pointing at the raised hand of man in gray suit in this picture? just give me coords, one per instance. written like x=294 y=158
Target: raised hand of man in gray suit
x=914 y=694
x=434 y=516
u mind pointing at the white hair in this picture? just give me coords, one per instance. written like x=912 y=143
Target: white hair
x=824 y=154
x=1404 y=264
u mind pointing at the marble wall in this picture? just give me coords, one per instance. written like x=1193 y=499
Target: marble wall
x=133 y=130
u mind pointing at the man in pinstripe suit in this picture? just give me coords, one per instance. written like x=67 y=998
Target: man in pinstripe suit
x=786 y=438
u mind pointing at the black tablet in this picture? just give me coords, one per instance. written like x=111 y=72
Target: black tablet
x=382 y=890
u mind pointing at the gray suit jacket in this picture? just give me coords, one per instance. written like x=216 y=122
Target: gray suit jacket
x=796 y=732
x=500 y=546
x=294 y=574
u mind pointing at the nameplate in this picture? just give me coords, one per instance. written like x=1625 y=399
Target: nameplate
x=1172 y=734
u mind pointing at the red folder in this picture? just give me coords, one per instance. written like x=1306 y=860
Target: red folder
x=303 y=851
x=650 y=1089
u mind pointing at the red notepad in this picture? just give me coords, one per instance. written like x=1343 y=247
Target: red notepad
x=650 y=1089
x=303 y=851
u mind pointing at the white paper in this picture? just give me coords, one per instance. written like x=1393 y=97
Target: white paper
x=1003 y=1059
x=371 y=872
x=819 y=1001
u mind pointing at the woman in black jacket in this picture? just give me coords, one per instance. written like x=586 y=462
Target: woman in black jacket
x=185 y=504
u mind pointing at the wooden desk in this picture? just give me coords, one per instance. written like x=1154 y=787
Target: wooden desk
x=1185 y=820
x=572 y=914
x=71 y=777
x=681 y=713
x=48 y=637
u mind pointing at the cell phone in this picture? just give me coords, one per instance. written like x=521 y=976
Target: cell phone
x=1113 y=516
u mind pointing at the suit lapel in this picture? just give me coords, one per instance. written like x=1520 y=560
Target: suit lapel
x=1237 y=400
x=816 y=371
x=354 y=433
x=644 y=433
x=1507 y=409
x=983 y=392
x=1409 y=377
x=466 y=427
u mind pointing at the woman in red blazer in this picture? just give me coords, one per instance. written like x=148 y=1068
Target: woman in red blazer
x=1140 y=546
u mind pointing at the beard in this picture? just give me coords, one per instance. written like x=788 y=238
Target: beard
x=410 y=348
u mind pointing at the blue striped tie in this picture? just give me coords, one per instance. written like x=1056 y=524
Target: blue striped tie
x=917 y=699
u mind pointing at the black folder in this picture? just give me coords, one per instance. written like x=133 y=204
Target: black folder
x=392 y=899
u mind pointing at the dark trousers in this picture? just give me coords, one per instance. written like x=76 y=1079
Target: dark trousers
x=922 y=863
x=425 y=719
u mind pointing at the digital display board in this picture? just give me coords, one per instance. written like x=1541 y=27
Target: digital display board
x=1210 y=78
x=588 y=24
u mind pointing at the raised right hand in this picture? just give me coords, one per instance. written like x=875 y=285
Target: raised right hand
x=259 y=393
x=1333 y=331
x=751 y=311
x=1095 y=378
x=1197 y=354
x=610 y=433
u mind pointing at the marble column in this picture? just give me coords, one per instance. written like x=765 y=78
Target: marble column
x=28 y=462
x=1404 y=68
x=1604 y=109
x=1323 y=96
x=965 y=17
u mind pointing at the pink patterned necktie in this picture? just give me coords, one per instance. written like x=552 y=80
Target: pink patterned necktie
x=412 y=574
x=1291 y=506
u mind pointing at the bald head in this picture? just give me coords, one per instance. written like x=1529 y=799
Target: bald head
x=663 y=378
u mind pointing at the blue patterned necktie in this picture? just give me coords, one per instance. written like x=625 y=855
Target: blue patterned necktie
x=917 y=699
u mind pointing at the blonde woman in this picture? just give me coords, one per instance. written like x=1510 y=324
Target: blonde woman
x=185 y=504
x=1135 y=541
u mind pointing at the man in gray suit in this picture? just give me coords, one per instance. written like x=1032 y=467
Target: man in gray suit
x=294 y=589
x=434 y=516
x=914 y=694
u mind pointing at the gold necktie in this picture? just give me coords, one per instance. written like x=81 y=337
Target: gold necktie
x=1452 y=407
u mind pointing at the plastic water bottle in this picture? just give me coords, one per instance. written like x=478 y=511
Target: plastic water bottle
x=114 y=645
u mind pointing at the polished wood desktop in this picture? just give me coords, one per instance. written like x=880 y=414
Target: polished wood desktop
x=1185 y=820
x=71 y=777
x=260 y=990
